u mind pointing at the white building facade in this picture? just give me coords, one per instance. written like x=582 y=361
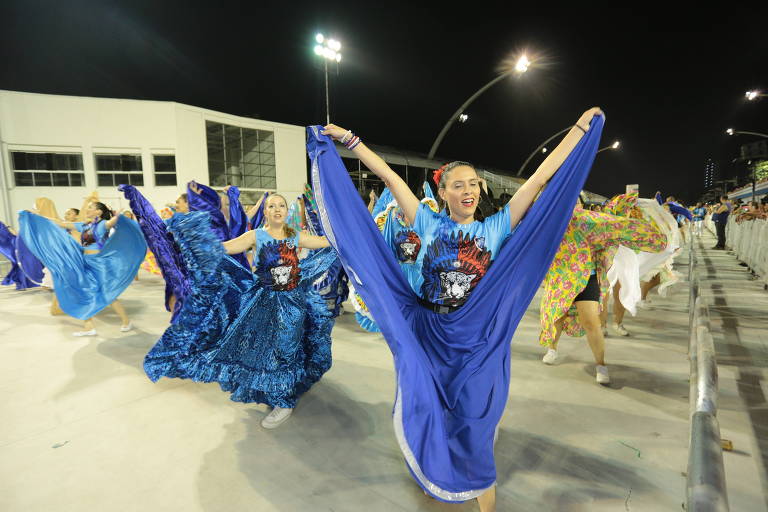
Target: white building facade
x=64 y=147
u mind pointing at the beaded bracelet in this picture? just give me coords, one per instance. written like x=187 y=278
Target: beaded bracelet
x=353 y=142
x=344 y=139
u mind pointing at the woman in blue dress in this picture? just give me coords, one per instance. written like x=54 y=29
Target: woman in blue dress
x=90 y=275
x=263 y=336
x=449 y=326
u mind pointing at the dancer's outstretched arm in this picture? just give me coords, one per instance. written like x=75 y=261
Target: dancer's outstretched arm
x=406 y=199
x=241 y=243
x=523 y=198
x=111 y=222
x=309 y=241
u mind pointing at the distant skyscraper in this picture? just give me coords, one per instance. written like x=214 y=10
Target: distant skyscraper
x=709 y=173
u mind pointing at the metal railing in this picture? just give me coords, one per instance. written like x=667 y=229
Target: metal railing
x=749 y=241
x=706 y=489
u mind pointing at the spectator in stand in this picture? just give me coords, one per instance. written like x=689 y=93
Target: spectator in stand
x=754 y=211
x=698 y=218
x=720 y=218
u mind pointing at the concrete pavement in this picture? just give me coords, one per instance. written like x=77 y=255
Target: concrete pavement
x=84 y=430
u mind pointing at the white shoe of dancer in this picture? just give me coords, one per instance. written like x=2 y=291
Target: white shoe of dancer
x=92 y=332
x=644 y=304
x=620 y=330
x=550 y=357
x=601 y=375
x=126 y=328
x=276 y=418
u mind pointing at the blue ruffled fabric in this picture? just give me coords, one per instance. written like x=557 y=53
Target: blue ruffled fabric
x=260 y=345
x=162 y=245
x=8 y=249
x=30 y=266
x=208 y=200
x=258 y=218
x=334 y=285
x=238 y=221
x=85 y=283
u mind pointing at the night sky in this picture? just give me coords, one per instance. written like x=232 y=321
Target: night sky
x=669 y=81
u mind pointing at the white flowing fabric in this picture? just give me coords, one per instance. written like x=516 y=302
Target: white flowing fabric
x=629 y=267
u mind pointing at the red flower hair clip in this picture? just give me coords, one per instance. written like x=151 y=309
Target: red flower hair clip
x=437 y=174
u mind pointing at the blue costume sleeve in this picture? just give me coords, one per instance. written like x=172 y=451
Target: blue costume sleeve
x=238 y=222
x=659 y=198
x=79 y=226
x=162 y=245
x=85 y=283
x=452 y=369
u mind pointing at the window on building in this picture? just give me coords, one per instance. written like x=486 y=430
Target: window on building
x=47 y=169
x=165 y=170
x=114 y=170
x=243 y=157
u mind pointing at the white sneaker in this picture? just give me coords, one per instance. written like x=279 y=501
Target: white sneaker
x=276 y=418
x=126 y=328
x=92 y=332
x=550 y=357
x=601 y=374
x=620 y=330
x=644 y=304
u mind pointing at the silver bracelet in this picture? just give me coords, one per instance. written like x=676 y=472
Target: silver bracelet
x=344 y=139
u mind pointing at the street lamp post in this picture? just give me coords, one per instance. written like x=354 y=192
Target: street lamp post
x=543 y=149
x=615 y=145
x=520 y=67
x=731 y=131
x=329 y=50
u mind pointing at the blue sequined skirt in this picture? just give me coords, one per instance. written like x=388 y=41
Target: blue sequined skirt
x=260 y=345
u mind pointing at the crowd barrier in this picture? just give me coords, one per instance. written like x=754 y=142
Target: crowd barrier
x=706 y=490
x=749 y=241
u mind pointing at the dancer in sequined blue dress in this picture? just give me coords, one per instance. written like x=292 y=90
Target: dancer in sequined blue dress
x=263 y=336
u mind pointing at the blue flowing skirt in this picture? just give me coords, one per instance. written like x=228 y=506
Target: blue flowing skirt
x=453 y=370
x=85 y=283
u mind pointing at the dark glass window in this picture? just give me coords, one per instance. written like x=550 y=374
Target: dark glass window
x=47 y=169
x=243 y=157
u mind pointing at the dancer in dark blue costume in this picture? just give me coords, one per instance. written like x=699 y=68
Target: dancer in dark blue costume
x=162 y=245
x=26 y=270
x=90 y=276
x=450 y=331
x=264 y=337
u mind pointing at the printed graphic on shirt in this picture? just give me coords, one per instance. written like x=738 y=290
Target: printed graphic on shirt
x=453 y=265
x=407 y=246
x=278 y=265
